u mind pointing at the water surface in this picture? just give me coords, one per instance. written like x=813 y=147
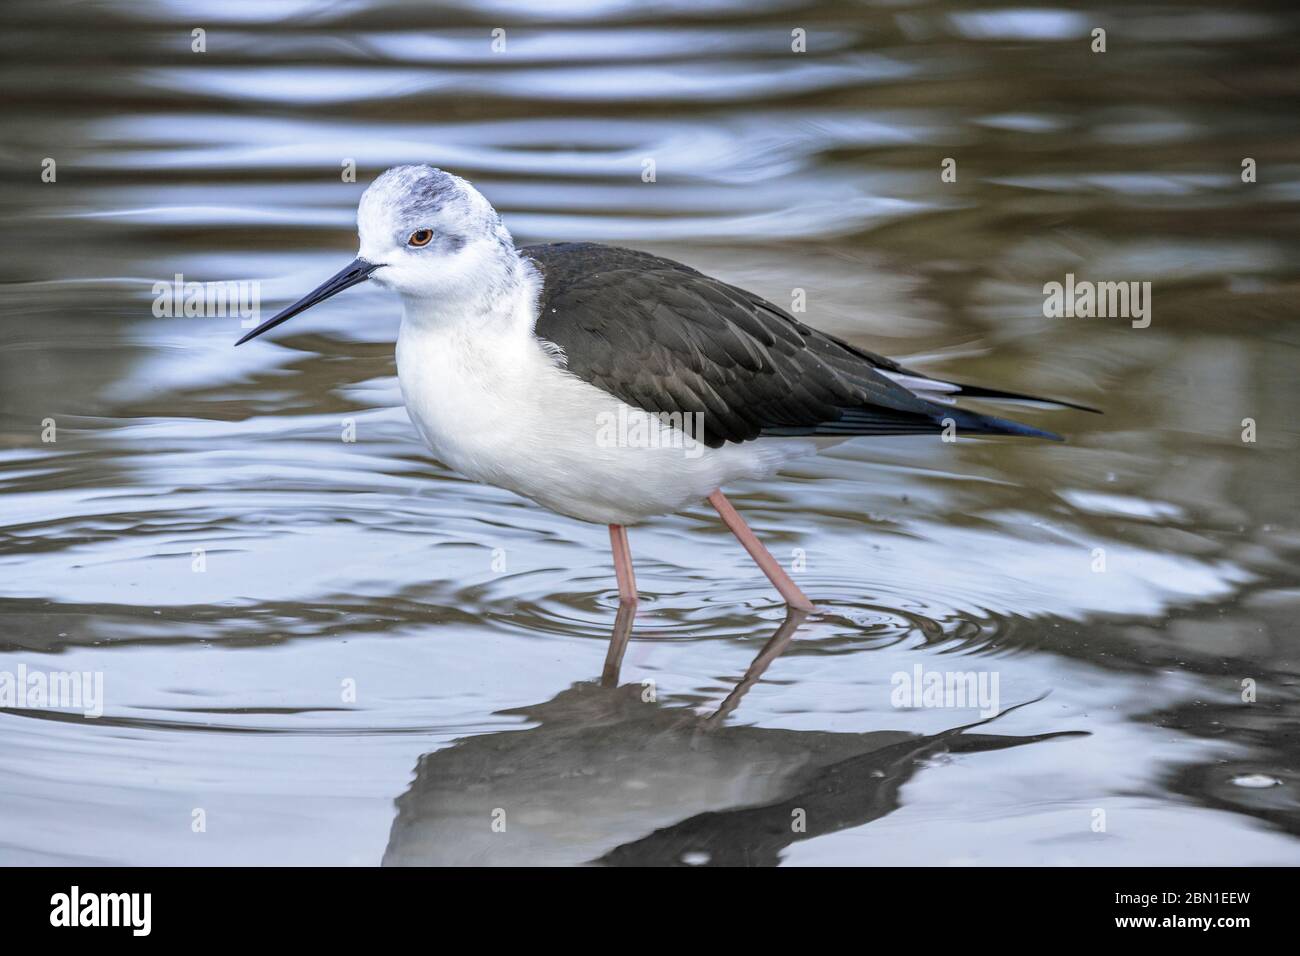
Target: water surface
x=320 y=651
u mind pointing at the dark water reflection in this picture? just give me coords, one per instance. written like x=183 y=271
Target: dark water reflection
x=452 y=609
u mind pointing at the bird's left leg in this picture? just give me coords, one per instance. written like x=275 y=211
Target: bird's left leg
x=623 y=564
x=762 y=557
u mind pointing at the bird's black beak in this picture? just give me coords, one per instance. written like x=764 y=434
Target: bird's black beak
x=358 y=270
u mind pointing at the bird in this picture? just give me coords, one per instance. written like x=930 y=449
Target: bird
x=611 y=385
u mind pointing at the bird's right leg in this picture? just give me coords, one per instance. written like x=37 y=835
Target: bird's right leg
x=623 y=564
x=789 y=591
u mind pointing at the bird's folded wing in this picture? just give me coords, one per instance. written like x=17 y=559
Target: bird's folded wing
x=666 y=338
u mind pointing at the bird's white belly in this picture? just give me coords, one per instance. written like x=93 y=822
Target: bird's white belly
x=501 y=411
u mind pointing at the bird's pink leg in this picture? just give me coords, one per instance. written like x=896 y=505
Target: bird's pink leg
x=623 y=564
x=762 y=557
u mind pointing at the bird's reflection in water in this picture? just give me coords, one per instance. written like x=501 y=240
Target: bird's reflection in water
x=610 y=776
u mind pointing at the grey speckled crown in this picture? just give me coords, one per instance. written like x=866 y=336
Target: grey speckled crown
x=406 y=198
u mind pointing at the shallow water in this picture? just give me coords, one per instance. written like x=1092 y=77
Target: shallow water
x=325 y=651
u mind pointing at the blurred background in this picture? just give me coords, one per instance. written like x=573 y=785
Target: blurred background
x=336 y=651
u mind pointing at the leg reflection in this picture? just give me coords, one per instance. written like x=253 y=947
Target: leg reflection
x=774 y=648
x=617 y=645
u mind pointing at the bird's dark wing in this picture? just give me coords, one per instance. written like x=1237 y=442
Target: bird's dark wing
x=666 y=338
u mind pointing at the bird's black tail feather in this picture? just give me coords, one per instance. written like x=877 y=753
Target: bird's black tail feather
x=999 y=395
x=877 y=420
x=965 y=421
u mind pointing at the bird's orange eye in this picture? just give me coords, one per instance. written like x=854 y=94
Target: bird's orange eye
x=421 y=237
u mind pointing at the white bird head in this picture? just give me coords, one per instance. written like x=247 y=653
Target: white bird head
x=426 y=234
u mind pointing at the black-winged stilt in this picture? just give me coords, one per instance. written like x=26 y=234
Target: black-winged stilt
x=612 y=385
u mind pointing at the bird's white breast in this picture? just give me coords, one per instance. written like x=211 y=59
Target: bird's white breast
x=497 y=406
